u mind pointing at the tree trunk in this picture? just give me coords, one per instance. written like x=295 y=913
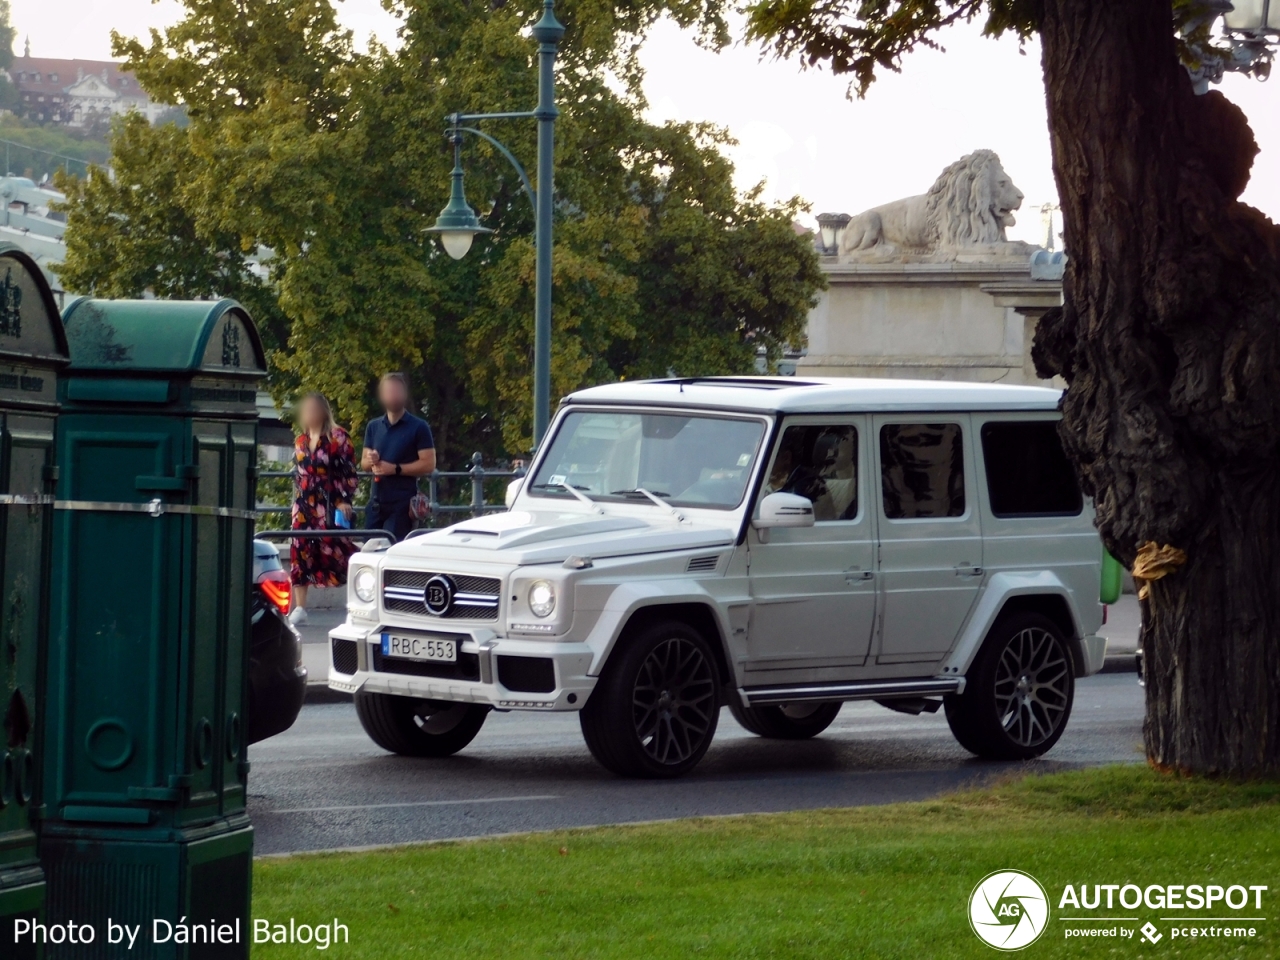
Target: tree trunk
x=1168 y=342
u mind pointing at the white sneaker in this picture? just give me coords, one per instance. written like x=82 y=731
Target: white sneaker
x=298 y=616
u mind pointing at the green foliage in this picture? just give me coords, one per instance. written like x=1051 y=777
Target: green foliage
x=333 y=164
x=131 y=234
x=863 y=37
x=35 y=150
x=7 y=36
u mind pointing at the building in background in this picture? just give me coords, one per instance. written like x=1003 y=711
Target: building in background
x=28 y=220
x=77 y=93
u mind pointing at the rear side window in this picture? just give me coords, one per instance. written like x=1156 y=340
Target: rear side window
x=1028 y=474
x=922 y=470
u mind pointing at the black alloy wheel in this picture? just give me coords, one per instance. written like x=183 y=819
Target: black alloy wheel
x=419 y=728
x=1032 y=686
x=654 y=711
x=787 y=721
x=674 y=700
x=1018 y=692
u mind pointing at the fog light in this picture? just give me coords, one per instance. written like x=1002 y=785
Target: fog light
x=542 y=598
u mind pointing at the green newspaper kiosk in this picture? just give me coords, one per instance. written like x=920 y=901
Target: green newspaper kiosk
x=32 y=352
x=144 y=779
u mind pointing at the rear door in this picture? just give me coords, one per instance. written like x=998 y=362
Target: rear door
x=930 y=533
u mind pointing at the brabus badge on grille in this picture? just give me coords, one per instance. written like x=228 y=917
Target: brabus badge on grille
x=437 y=595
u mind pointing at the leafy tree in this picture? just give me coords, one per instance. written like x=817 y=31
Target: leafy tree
x=34 y=150
x=129 y=234
x=7 y=35
x=335 y=164
x=1169 y=337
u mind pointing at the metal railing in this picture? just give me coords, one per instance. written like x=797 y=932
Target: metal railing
x=445 y=502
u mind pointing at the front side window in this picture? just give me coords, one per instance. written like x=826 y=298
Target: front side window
x=687 y=460
x=922 y=470
x=819 y=462
x=1027 y=471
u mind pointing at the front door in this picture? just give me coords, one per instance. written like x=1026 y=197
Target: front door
x=814 y=588
x=930 y=533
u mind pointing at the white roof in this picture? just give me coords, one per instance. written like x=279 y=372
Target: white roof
x=820 y=395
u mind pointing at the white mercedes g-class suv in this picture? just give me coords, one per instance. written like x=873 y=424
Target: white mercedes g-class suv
x=776 y=545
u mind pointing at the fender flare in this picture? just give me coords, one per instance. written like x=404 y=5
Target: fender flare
x=630 y=598
x=1001 y=588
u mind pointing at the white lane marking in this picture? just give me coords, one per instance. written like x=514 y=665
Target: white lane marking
x=413 y=803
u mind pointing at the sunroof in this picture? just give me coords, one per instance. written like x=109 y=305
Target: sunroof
x=749 y=383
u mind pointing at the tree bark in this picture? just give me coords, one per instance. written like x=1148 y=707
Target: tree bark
x=1168 y=342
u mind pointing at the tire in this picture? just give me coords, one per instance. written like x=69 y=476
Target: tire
x=419 y=728
x=654 y=712
x=788 y=721
x=1018 y=693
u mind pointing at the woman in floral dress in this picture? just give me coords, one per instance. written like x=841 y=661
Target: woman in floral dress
x=324 y=482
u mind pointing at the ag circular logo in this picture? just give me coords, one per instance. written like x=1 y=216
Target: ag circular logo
x=1008 y=909
x=437 y=595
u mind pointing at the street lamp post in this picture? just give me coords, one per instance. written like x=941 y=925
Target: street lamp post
x=458 y=224
x=1251 y=28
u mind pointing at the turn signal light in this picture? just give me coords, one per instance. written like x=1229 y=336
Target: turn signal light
x=275 y=584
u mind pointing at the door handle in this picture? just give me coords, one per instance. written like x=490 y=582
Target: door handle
x=855 y=575
x=967 y=570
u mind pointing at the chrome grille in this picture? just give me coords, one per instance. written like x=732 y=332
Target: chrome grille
x=474 y=598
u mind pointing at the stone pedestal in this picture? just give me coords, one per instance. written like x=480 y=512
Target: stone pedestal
x=933 y=321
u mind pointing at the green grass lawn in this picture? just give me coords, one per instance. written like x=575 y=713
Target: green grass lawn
x=869 y=882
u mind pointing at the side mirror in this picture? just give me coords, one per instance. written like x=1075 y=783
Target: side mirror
x=784 y=510
x=513 y=491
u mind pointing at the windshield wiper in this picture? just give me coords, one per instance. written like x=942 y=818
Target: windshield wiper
x=577 y=492
x=655 y=497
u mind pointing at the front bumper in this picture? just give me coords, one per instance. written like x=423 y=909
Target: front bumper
x=483 y=647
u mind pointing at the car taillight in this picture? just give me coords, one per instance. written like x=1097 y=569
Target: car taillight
x=275 y=584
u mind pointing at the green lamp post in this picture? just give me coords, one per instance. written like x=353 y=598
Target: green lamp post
x=458 y=224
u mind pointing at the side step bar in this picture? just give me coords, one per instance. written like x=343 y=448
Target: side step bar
x=859 y=690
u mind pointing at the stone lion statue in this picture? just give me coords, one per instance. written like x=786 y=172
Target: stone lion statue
x=969 y=205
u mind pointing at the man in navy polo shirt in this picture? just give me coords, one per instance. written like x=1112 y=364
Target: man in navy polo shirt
x=398 y=448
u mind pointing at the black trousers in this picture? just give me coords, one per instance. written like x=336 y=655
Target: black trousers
x=389 y=515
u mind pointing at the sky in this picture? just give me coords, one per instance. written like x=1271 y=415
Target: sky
x=796 y=130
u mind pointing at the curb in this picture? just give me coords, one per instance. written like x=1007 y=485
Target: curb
x=320 y=693
x=1122 y=663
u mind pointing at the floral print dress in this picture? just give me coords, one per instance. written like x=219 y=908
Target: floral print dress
x=323 y=478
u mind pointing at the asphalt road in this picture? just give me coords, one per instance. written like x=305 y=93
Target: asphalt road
x=324 y=785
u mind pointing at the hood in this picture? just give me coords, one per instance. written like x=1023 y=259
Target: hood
x=524 y=537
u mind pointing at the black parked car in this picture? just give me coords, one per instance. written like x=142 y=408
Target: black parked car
x=277 y=678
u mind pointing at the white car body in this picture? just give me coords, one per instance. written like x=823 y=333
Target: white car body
x=867 y=607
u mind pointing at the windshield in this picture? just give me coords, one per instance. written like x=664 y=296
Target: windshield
x=691 y=461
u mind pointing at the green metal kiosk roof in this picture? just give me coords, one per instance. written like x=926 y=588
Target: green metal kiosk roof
x=30 y=328
x=163 y=336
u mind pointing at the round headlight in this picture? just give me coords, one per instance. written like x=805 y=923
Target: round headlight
x=542 y=598
x=365 y=584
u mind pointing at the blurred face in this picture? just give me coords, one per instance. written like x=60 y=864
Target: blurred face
x=392 y=395
x=312 y=415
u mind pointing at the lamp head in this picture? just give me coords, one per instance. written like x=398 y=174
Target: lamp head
x=457 y=223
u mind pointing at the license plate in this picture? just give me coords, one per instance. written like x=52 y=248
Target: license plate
x=419 y=648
